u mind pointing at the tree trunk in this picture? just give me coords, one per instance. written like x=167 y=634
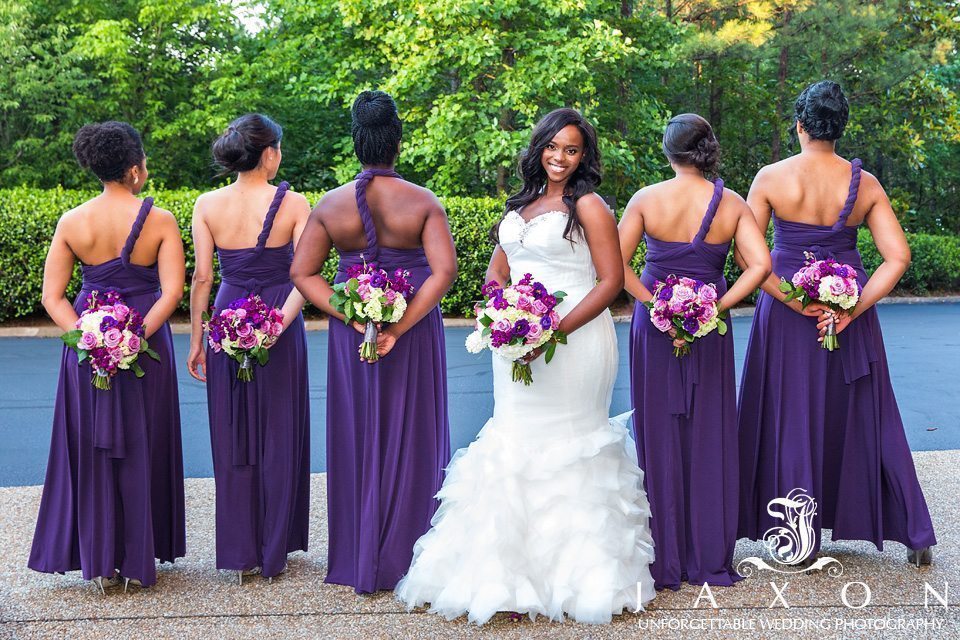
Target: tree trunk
x=507 y=116
x=776 y=152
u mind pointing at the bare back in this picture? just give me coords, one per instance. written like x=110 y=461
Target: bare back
x=400 y=210
x=234 y=215
x=811 y=189
x=673 y=210
x=97 y=230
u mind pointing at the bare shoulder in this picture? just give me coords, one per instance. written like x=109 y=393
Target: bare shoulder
x=209 y=200
x=334 y=200
x=645 y=195
x=296 y=199
x=732 y=200
x=592 y=207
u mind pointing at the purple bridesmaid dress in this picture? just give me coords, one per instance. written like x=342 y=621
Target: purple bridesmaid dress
x=825 y=422
x=260 y=430
x=113 y=495
x=686 y=424
x=387 y=431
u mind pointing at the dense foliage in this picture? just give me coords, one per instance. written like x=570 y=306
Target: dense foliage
x=471 y=77
x=28 y=217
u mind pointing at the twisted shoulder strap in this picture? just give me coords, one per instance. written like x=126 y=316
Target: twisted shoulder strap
x=369 y=229
x=711 y=210
x=271 y=215
x=856 y=166
x=135 y=230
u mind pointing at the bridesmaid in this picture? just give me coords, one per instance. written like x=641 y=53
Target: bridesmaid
x=686 y=413
x=113 y=496
x=259 y=430
x=827 y=422
x=387 y=429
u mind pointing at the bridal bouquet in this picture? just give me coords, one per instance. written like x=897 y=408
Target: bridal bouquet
x=110 y=335
x=828 y=282
x=517 y=320
x=370 y=296
x=244 y=331
x=688 y=306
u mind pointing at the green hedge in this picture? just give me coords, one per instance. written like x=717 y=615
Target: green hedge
x=28 y=217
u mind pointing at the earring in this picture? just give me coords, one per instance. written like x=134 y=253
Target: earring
x=136 y=179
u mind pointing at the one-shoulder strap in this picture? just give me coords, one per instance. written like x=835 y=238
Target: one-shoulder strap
x=369 y=229
x=135 y=230
x=271 y=215
x=711 y=210
x=856 y=167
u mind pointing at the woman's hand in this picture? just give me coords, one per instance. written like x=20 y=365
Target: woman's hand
x=197 y=362
x=812 y=310
x=386 y=340
x=677 y=341
x=840 y=319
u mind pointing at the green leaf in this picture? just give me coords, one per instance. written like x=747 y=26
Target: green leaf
x=152 y=354
x=551 y=351
x=262 y=355
x=71 y=338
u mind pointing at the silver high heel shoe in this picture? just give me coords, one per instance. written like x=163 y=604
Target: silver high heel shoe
x=103 y=583
x=247 y=572
x=920 y=557
x=128 y=581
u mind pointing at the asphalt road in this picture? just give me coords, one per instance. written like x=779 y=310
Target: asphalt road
x=923 y=348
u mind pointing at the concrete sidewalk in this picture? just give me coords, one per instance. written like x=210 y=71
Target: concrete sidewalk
x=193 y=600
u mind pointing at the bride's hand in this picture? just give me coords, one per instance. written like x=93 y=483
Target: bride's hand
x=530 y=357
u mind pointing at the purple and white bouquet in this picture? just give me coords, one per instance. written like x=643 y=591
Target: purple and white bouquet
x=517 y=320
x=245 y=330
x=688 y=306
x=110 y=335
x=371 y=296
x=828 y=282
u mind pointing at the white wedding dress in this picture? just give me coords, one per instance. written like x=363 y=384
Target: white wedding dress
x=544 y=513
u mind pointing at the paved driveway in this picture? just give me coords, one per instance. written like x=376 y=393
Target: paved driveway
x=923 y=347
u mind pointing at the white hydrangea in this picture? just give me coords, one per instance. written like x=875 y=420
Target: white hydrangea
x=475 y=342
x=399 y=307
x=825 y=293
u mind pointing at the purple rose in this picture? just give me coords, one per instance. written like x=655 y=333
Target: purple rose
x=503 y=325
x=708 y=294
x=134 y=343
x=87 y=341
x=112 y=337
x=248 y=342
x=660 y=321
x=533 y=335
x=539 y=307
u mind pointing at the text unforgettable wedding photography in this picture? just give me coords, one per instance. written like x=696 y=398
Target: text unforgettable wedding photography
x=506 y=319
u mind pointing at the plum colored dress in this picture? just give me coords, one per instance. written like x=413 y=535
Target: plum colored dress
x=260 y=430
x=387 y=431
x=113 y=494
x=686 y=423
x=825 y=422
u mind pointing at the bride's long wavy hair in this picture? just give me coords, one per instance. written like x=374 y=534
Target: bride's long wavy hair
x=585 y=179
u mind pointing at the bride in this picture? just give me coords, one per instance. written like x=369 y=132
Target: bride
x=544 y=513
